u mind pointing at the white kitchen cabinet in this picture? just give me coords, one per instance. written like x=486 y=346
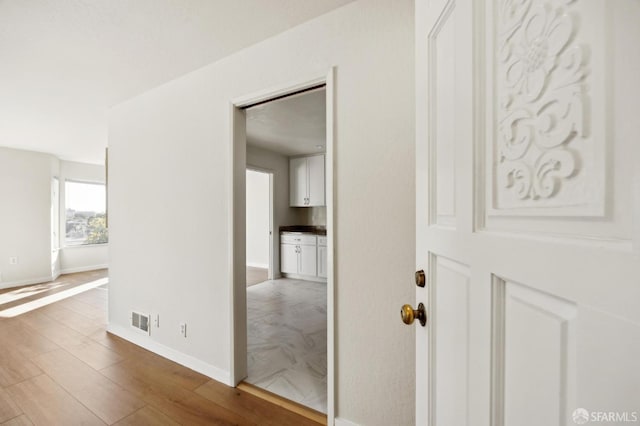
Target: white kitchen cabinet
x=298 y=254
x=322 y=257
x=289 y=258
x=298 y=171
x=307 y=181
x=307 y=258
x=315 y=166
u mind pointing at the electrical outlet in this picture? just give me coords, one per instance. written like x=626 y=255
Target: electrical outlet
x=183 y=329
x=13 y=260
x=157 y=320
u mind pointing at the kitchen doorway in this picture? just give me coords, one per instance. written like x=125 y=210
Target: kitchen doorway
x=318 y=282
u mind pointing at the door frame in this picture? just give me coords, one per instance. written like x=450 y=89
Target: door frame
x=251 y=167
x=237 y=224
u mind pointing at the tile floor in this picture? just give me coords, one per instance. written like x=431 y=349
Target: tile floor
x=287 y=340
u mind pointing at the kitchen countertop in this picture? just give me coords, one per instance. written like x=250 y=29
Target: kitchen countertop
x=308 y=229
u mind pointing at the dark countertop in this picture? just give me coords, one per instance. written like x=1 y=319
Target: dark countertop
x=309 y=229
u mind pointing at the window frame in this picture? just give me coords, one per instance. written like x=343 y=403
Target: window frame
x=64 y=207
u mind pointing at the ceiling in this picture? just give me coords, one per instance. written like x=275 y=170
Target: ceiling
x=65 y=62
x=294 y=125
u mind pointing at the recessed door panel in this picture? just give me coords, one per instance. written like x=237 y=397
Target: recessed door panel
x=450 y=344
x=536 y=345
x=442 y=89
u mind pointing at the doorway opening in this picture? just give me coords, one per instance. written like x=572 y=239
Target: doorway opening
x=259 y=226
x=282 y=340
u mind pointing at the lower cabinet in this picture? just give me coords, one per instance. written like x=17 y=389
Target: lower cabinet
x=303 y=254
x=298 y=254
x=289 y=258
x=307 y=259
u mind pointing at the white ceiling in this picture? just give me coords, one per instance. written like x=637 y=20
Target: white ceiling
x=63 y=63
x=293 y=125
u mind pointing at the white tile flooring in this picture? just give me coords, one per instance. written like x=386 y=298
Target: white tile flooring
x=287 y=340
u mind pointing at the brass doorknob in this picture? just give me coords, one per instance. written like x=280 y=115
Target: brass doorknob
x=409 y=314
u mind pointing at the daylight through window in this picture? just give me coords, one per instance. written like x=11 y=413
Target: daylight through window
x=85 y=206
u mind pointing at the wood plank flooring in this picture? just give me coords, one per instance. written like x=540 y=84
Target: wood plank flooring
x=59 y=366
x=256 y=275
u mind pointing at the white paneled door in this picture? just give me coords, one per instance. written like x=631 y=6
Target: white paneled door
x=528 y=212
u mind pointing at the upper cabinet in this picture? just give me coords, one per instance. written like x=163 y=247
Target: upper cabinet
x=298 y=182
x=316 y=168
x=306 y=181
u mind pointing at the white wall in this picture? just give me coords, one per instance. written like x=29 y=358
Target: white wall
x=25 y=216
x=170 y=168
x=316 y=216
x=258 y=219
x=80 y=258
x=26 y=227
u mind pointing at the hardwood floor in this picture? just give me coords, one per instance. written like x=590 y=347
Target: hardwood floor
x=256 y=275
x=59 y=366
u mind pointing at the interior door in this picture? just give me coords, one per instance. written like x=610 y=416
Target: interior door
x=528 y=212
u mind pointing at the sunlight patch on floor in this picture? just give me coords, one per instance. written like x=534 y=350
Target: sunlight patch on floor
x=23 y=292
x=35 y=304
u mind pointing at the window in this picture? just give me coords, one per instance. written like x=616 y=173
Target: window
x=86 y=219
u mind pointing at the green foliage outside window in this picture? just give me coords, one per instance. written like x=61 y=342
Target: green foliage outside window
x=97 y=230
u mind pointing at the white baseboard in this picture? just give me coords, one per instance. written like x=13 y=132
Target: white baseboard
x=19 y=283
x=258 y=265
x=304 y=277
x=181 y=358
x=30 y=281
x=83 y=269
x=342 y=422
